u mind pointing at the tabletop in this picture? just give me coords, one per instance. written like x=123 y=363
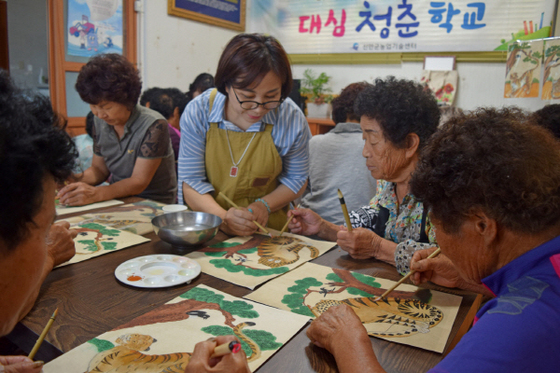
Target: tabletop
x=92 y=301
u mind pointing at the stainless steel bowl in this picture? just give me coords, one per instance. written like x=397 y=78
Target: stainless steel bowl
x=186 y=228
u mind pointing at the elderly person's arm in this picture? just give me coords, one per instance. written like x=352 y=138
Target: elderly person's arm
x=361 y=243
x=342 y=333
x=441 y=271
x=309 y=223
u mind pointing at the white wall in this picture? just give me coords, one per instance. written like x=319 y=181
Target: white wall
x=480 y=84
x=174 y=50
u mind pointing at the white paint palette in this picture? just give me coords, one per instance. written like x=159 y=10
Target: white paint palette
x=157 y=271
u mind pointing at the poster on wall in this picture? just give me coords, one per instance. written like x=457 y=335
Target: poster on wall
x=224 y=13
x=94 y=26
x=388 y=26
x=551 y=65
x=523 y=69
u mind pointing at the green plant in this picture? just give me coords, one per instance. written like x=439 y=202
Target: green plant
x=316 y=87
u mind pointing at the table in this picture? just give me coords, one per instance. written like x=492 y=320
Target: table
x=92 y=301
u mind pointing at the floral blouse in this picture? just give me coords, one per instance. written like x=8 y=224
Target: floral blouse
x=403 y=227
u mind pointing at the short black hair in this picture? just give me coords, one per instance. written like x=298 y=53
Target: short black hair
x=401 y=107
x=165 y=100
x=549 y=118
x=201 y=83
x=149 y=95
x=32 y=147
x=180 y=100
x=163 y=104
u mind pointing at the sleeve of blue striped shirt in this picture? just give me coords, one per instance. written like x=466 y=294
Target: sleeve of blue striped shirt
x=296 y=136
x=193 y=146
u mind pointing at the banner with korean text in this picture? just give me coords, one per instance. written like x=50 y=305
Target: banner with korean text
x=354 y=26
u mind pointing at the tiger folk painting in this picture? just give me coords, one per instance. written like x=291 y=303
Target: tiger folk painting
x=410 y=315
x=250 y=261
x=162 y=341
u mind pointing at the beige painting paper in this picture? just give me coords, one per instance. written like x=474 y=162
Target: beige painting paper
x=172 y=330
x=97 y=239
x=66 y=210
x=134 y=217
x=250 y=261
x=311 y=289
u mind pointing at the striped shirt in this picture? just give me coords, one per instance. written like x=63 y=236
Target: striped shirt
x=290 y=135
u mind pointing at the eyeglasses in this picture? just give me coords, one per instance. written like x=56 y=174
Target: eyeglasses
x=250 y=105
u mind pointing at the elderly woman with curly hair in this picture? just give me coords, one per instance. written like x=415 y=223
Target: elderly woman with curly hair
x=397 y=117
x=131 y=142
x=492 y=183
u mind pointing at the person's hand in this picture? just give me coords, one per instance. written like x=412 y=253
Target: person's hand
x=238 y=222
x=361 y=243
x=304 y=222
x=260 y=213
x=339 y=325
x=202 y=362
x=439 y=270
x=340 y=331
x=77 y=194
x=19 y=364
x=60 y=243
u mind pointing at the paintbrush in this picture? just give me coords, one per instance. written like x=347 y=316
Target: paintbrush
x=288 y=222
x=384 y=295
x=344 y=211
x=226 y=348
x=237 y=207
x=43 y=335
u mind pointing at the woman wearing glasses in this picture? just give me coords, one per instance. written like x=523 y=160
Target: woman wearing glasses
x=245 y=139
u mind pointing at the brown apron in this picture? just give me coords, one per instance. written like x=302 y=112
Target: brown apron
x=256 y=174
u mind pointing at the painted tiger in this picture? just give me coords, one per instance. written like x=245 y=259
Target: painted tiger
x=127 y=358
x=279 y=251
x=255 y=349
x=412 y=315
